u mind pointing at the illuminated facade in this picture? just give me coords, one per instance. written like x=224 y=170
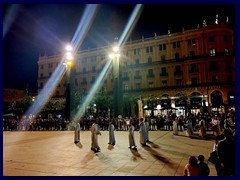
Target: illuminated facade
x=189 y=70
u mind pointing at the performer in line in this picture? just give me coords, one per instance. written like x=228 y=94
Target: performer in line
x=111 y=129
x=94 y=137
x=142 y=131
x=132 y=143
x=76 y=132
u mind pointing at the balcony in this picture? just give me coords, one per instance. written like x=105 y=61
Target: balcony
x=193 y=71
x=150 y=76
x=163 y=74
x=178 y=73
x=138 y=77
x=126 y=78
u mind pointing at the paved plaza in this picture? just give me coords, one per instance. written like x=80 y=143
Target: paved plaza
x=53 y=153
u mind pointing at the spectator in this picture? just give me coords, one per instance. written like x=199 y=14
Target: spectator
x=226 y=153
x=203 y=166
x=192 y=168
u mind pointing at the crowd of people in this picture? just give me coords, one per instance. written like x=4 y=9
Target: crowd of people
x=193 y=122
x=221 y=125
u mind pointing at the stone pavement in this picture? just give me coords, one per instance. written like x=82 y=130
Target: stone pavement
x=53 y=153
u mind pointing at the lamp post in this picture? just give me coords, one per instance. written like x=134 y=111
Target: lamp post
x=117 y=88
x=69 y=64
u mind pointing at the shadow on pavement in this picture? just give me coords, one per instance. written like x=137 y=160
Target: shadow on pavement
x=88 y=157
x=153 y=144
x=158 y=156
x=136 y=154
x=110 y=147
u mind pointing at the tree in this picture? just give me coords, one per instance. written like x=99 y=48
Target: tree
x=103 y=102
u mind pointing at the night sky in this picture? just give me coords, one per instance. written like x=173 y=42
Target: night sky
x=47 y=27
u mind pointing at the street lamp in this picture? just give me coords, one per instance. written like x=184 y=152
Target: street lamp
x=117 y=88
x=69 y=64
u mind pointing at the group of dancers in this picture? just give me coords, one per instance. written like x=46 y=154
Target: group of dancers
x=95 y=131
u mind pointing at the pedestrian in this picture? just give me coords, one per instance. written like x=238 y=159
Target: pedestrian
x=76 y=132
x=132 y=142
x=226 y=153
x=203 y=166
x=146 y=123
x=192 y=168
x=202 y=128
x=142 y=131
x=189 y=131
x=175 y=126
x=111 y=129
x=217 y=163
x=94 y=137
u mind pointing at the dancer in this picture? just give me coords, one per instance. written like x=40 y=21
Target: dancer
x=111 y=129
x=95 y=132
x=142 y=131
x=132 y=143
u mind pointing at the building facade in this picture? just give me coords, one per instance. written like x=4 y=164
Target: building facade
x=192 y=70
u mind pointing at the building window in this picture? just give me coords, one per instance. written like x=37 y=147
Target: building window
x=93 y=79
x=149 y=49
x=138 y=86
x=191 y=42
x=226 y=51
x=84 y=70
x=214 y=79
x=211 y=39
x=41 y=85
x=226 y=38
x=212 y=52
x=136 y=51
x=213 y=66
x=93 y=69
x=150 y=73
x=177 y=56
x=41 y=66
x=50 y=74
x=163 y=58
x=41 y=75
x=125 y=87
x=179 y=82
x=192 y=53
x=162 y=47
x=94 y=59
x=76 y=82
x=149 y=60
x=228 y=67
x=164 y=70
x=151 y=85
x=164 y=82
x=137 y=75
x=137 y=61
x=176 y=44
x=194 y=81
x=229 y=77
x=50 y=65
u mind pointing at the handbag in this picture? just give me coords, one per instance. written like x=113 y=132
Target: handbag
x=213 y=158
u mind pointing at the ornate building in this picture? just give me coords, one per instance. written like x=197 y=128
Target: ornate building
x=191 y=70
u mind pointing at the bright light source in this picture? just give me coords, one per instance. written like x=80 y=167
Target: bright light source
x=69 y=48
x=117 y=55
x=115 y=48
x=111 y=56
x=69 y=57
x=69 y=63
